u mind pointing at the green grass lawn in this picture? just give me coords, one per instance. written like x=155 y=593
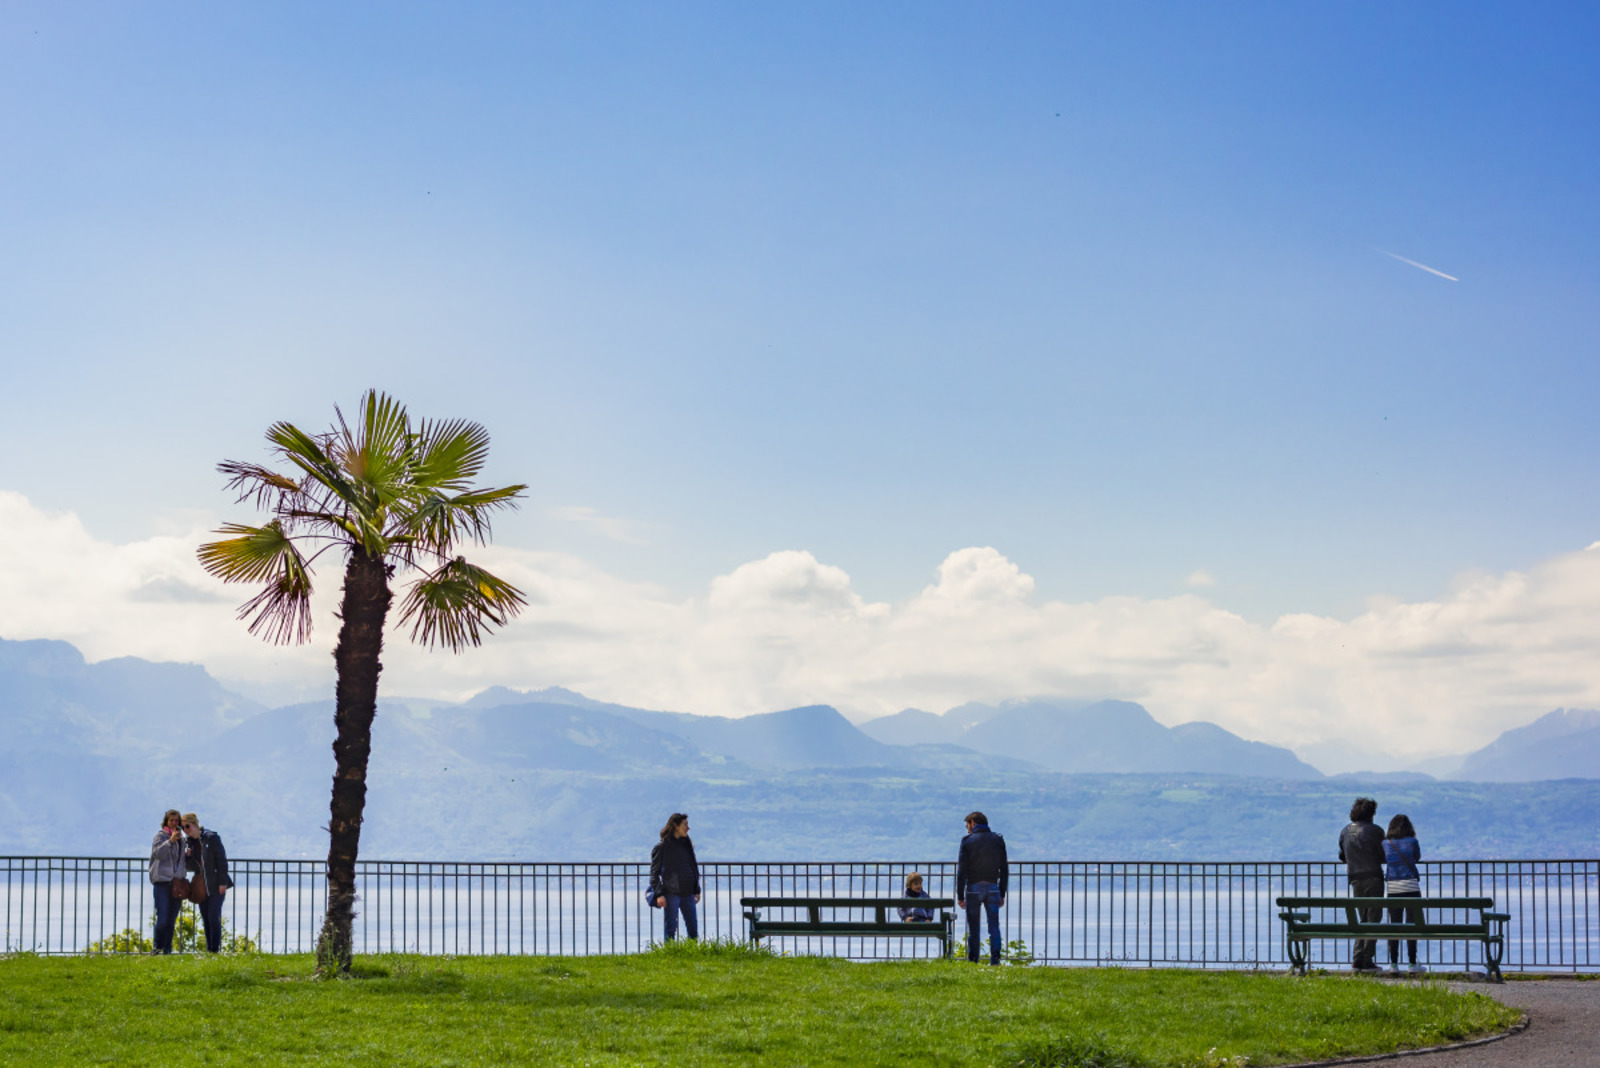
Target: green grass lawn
x=716 y=1005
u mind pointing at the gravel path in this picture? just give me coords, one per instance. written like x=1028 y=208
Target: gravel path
x=1563 y=1032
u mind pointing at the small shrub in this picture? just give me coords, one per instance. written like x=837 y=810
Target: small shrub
x=127 y=940
x=1014 y=952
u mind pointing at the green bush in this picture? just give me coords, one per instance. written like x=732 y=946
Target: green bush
x=1015 y=951
x=188 y=936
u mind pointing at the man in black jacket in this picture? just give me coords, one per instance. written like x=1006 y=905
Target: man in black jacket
x=1361 y=849
x=981 y=876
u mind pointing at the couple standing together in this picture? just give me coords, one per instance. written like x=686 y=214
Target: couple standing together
x=187 y=863
x=1380 y=865
x=982 y=872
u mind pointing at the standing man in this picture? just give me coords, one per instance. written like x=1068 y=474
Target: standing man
x=1361 y=849
x=981 y=876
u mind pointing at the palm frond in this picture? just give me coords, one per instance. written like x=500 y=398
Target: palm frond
x=377 y=454
x=250 y=556
x=457 y=604
x=435 y=523
x=262 y=485
x=449 y=454
x=281 y=612
x=311 y=456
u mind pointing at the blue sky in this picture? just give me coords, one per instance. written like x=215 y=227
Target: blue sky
x=1102 y=287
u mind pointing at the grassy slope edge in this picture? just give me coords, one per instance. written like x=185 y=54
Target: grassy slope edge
x=709 y=1005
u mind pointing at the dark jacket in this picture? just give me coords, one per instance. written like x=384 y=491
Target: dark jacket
x=673 y=868
x=982 y=860
x=205 y=854
x=916 y=915
x=1361 y=849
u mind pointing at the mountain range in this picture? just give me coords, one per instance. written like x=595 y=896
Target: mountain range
x=96 y=751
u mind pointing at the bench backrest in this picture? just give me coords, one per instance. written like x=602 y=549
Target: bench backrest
x=849 y=902
x=1326 y=902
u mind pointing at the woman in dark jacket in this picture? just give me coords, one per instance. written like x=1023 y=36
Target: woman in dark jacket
x=675 y=877
x=206 y=859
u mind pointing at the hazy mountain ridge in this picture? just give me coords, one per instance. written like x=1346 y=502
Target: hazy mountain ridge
x=101 y=749
x=1093 y=738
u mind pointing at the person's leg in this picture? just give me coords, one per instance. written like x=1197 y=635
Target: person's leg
x=991 y=904
x=211 y=913
x=1413 y=915
x=669 y=918
x=691 y=918
x=1366 y=951
x=166 y=916
x=1396 y=914
x=974 y=907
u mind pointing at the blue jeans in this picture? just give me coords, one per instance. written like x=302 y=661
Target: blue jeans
x=983 y=897
x=211 y=916
x=684 y=903
x=167 y=908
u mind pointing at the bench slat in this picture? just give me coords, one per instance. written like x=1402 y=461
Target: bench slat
x=761 y=928
x=1388 y=930
x=1395 y=902
x=849 y=902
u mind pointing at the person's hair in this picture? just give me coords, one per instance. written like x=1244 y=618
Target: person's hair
x=977 y=817
x=171 y=812
x=190 y=817
x=913 y=878
x=1400 y=827
x=674 y=821
x=1363 y=810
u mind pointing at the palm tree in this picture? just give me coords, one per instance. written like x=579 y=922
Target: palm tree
x=394 y=498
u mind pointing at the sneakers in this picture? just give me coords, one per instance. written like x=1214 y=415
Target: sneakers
x=1394 y=969
x=1419 y=969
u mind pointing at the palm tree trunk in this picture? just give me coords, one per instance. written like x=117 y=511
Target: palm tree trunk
x=362 y=615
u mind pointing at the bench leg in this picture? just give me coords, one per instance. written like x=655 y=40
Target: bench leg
x=1493 y=949
x=1297 y=956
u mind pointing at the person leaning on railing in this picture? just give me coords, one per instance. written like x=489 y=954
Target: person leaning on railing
x=166 y=864
x=1361 y=849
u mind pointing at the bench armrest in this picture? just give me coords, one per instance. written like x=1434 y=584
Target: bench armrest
x=1297 y=917
x=1503 y=917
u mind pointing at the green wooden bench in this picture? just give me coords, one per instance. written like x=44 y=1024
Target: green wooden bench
x=941 y=927
x=1299 y=929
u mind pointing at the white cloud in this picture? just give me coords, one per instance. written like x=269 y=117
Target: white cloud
x=1199 y=580
x=1412 y=679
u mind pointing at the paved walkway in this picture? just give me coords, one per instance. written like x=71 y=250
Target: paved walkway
x=1564 y=1028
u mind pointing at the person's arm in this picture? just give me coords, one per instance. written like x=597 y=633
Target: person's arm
x=961 y=872
x=1005 y=871
x=1417 y=844
x=655 y=874
x=694 y=862
x=1341 y=843
x=224 y=879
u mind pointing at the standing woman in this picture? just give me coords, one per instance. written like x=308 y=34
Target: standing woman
x=675 y=877
x=1401 y=879
x=166 y=864
x=206 y=857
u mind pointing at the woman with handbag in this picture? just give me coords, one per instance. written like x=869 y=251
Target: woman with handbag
x=208 y=862
x=675 y=878
x=166 y=867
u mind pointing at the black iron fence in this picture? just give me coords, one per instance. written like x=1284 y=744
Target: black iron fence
x=1062 y=912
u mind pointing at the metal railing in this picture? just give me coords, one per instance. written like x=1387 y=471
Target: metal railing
x=1065 y=912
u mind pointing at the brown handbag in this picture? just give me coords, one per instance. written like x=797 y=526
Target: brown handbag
x=180 y=889
x=197 y=888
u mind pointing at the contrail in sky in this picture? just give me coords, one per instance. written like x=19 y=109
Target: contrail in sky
x=1421 y=266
